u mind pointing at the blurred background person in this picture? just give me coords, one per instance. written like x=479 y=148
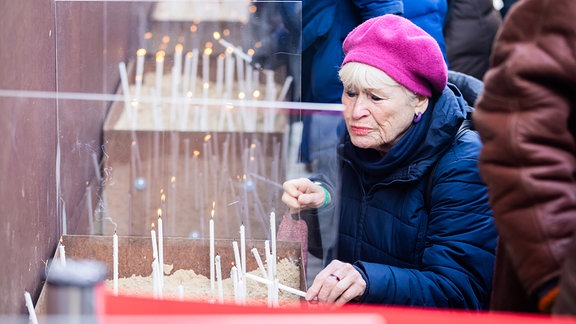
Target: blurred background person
x=526 y=117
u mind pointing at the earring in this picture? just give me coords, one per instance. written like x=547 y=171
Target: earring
x=417 y=117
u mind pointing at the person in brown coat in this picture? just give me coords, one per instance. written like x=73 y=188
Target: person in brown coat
x=526 y=117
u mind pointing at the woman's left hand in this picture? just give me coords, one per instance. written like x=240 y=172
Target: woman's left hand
x=336 y=284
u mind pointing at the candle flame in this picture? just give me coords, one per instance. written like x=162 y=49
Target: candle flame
x=206 y=85
x=241 y=95
x=173 y=179
x=229 y=50
x=148 y=35
x=207 y=51
x=141 y=52
x=253 y=145
x=162 y=196
x=165 y=39
x=189 y=54
x=178 y=47
x=256 y=94
x=250 y=51
x=226 y=32
x=193 y=28
x=221 y=56
x=216 y=35
x=196 y=153
x=152 y=225
x=258 y=45
x=159 y=212
x=207 y=137
x=160 y=56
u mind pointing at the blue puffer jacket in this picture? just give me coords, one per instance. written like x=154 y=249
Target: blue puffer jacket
x=412 y=247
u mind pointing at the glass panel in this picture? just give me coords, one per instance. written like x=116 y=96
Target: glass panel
x=194 y=101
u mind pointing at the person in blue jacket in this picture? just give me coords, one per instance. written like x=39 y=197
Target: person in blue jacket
x=415 y=227
x=325 y=24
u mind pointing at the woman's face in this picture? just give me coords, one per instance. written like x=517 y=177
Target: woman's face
x=377 y=118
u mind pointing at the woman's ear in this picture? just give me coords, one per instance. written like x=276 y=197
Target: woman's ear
x=420 y=103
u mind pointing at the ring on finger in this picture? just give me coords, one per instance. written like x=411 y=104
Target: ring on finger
x=335 y=277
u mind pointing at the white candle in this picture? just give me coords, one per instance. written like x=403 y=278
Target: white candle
x=177 y=69
x=280 y=286
x=243 y=247
x=62 y=253
x=125 y=88
x=187 y=68
x=219 y=74
x=154 y=245
x=237 y=51
x=285 y=88
x=229 y=66
x=159 y=71
x=194 y=73
x=206 y=67
x=240 y=73
x=64 y=219
x=140 y=55
x=160 y=250
x=219 y=276
x=155 y=281
x=259 y=261
x=237 y=256
x=115 y=261
x=243 y=258
x=212 y=257
x=234 y=275
x=273 y=240
x=30 y=307
x=181 y=292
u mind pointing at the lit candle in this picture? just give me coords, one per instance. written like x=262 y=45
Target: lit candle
x=212 y=257
x=30 y=307
x=177 y=69
x=140 y=55
x=62 y=253
x=219 y=277
x=154 y=245
x=160 y=250
x=187 y=68
x=206 y=68
x=159 y=71
x=115 y=261
x=219 y=74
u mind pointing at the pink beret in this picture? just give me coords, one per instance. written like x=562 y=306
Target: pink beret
x=402 y=50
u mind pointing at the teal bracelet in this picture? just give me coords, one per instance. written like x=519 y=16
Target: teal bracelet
x=326 y=198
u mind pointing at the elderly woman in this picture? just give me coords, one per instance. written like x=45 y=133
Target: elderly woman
x=415 y=227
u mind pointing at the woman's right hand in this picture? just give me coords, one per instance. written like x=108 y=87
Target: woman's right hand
x=302 y=194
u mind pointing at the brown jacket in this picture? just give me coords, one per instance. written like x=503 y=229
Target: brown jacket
x=527 y=119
